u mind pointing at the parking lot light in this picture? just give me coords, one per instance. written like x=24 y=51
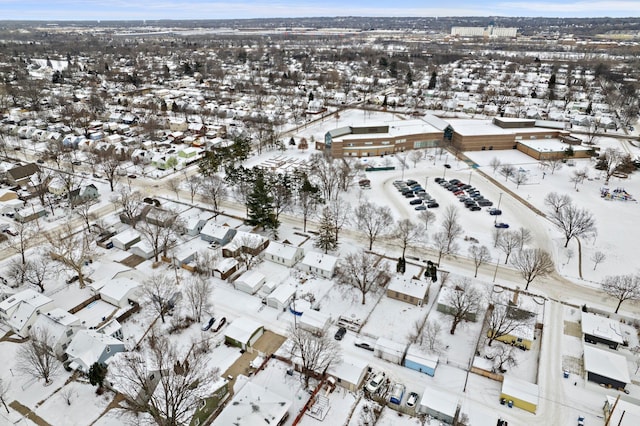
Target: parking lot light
x=499 y=199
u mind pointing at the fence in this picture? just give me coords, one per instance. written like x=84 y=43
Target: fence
x=84 y=304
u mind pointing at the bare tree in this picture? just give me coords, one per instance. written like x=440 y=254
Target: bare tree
x=415 y=156
x=501 y=322
x=520 y=178
x=578 y=176
x=431 y=337
x=622 y=287
x=35 y=358
x=158 y=289
x=83 y=209
x=556 y=202
x=406 y=234
x=4 y=391
x=174 y=185
x=552 y=164
x=245 y=255
x=197 y=293
x=24 y=239
x=322 y=170
x=206 y=261
x=504 y=356
x=72 y=249
x=315 y=352
x=194 y=182
x=110 y=166
x=451 y=227
x=161 y=232
x=525 y=236
x=463 y=300
x=495 y=164
x=573 y=222
x=164 y=380
x=532 y=263
x=37 y=271
x=340 y=214
x=373 y=220
x=428 y=217
x=67 y=394
x=441 y=242
x=610 y=161
x=597 y=258
x=509 y=241
x=363 y=272
x=479 y=255
x=507 y=170
x=213 y=190
x=130 y=204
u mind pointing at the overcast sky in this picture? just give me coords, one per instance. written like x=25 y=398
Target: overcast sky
x=201 y=9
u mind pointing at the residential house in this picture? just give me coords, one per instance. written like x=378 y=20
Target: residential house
x=111 y=328
x=21 y=310
x=216 y=233
x=283 y=254
x=246 y=242
x=84 y=194
x=160 y=217
x=60 y=327
x=520 y=393
x=349 y=373
x=29 y=214
x=320 y=264
x=599 y=329
x=606 y=367
x=409 y=290
x=420 y=360
x=125 y=239
x=253 y=405
x=89 y=347
x=225 y=268
x=143 y=248
x=314 y=321
x=20 y=175
x=281 y=297
x=243 y=332
x=137 y=215
x=250 y=281
x=523 y=334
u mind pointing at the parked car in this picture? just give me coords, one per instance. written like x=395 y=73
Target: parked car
x=374 y=384
x=415 y=202
x=474 y=208
x=409 y=194
x=411 y=182
x=447 y=166
x=412 y=399
x=495 y=212
x=364 y=345
x=397 y=393
x=421 y=207
x=432 y=205
x=438 y=180
x=340 y=333
x=485 y=203
x=501 y=225
x=219 y=324
x=207 y=325
x=132 y=176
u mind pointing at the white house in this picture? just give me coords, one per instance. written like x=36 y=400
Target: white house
x=254 y=405
x=216 y=233
x=389 y=350
x=350 y=372
x=250 y=282
x=21 y=310
x=243 y=332
x=89 y=347
x=320 y=264
x=60 y=326
x=314 y=321
x=439 y=404
x=120 y=291
x=143 y=249
x=281 y=297
x=125 y=239
x=283 y=254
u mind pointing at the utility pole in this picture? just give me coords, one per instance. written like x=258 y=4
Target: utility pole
x=495 y=273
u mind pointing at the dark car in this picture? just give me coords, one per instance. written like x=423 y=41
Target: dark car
x=421 y=207
x=501 y=225
x=433 y=205
x=207 y=325
x=411 y=182
x=132 y=176
x=438 y=180
x=415 y=202
x=364 y=345
x=495 y=212
x=409 y=195
x=340 y=333
x=466 y=186
x=485 y=203
x=454 y=181
x=448 y=166
x=474 y=208
x=218 y=325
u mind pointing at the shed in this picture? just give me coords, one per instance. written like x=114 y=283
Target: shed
x=319 y=263
x=524 y=394
x=243 y=333
x=350 y=372
x=599 y=329
x=389 y=350
x=314 y=321
x=439 y=404
x=283 y=254
x=250 y=282
x=143 y=249
x=420 y=360
x=281 y=297
x=225 y=268
x=606 y=367
x=408 y=290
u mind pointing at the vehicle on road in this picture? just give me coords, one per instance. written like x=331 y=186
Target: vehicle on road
x=364 y=345
x=501 y=225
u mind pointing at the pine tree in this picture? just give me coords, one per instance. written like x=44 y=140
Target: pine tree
x=97 y=374
x=260 y=205
x=326 y=239
x=432 y=81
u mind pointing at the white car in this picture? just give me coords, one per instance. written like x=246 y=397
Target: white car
x=412 y=399
x=374 y=384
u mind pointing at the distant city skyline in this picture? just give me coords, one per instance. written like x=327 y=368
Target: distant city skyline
x=245 y=9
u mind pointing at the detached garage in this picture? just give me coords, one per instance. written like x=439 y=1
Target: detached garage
x=523 y=394
x=439 y=405
x=420 y=360
x=281 y=297
x=389 y=350
x=243 y=333
x=606 y=367
x=250 y=282
x=349 y=373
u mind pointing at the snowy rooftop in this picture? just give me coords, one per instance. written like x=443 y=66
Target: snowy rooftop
x=520 y=389
x=599 y=326
x=87 y=346
x=126 y=236
x=439 y=400
x=389 y=346
x=253 y=405
x=215 y=230
x=242 y=328
x=118 y=288
x=251 y=278
x=283 y=293
x=605 y=363
x=284 y=251
x=322 y=261
x=416 y=353
x=408 y=286
x=550 y=145
x=626 y=413
x=349 y=370
x=397 y=128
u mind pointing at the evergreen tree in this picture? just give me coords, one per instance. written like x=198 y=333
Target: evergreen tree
x=432 y=82
x=97 y=374
x=326 y=239
x=260 y=204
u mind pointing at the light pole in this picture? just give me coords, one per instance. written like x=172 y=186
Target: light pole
x=499 y=199
x=496 y=270
x=444 y=173
x=470 y=173
x=426 y=180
